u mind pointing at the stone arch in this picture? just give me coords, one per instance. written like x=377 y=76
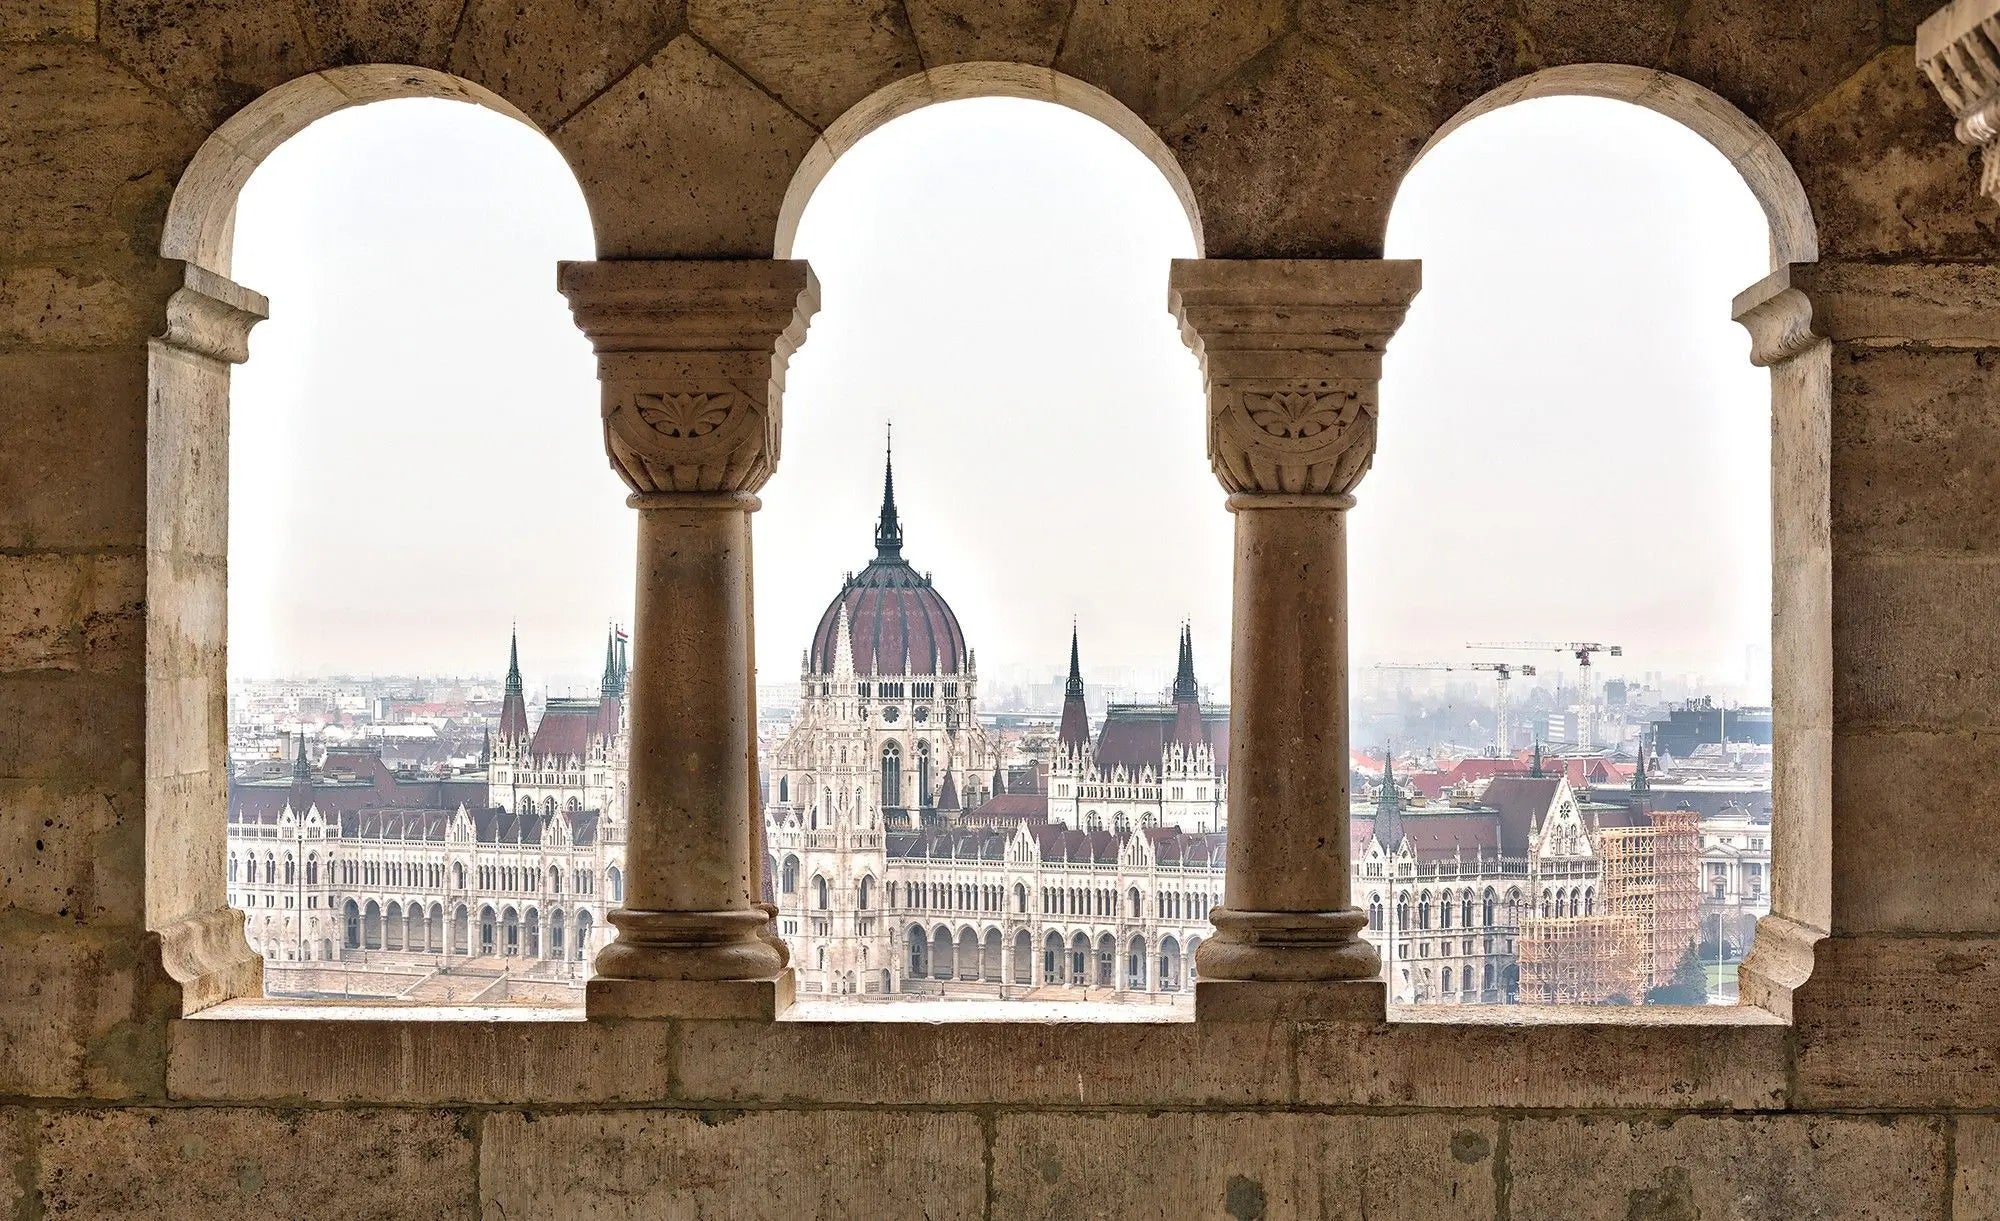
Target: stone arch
x=956 y=82
x=206 y=331
x=1779 y=319
x=1738 y=137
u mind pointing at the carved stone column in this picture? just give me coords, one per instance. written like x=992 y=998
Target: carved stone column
x=1291 y=354
x=1958 y=48
x=691 y=356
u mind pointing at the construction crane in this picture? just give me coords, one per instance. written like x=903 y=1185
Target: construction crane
x=1502 y=671
x=1582 y=650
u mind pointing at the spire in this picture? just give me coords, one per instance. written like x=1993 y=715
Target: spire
x=1188 y=729
x=613 y=682
x=514 y=660
x=514 y=705
x=301 y=766
x=1075 y=730
x=1535 y=768
x=889 y=529
x=1389 y=805
x=485 y=746
x=999 y=778
x=1185 y=687
x=1639 y=782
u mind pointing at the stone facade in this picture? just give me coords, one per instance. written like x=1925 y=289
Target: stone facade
x=1857 y=1080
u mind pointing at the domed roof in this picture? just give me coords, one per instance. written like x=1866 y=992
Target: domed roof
x=897 y=624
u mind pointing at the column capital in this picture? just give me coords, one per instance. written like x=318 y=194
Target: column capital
x=1291 y=357
x=691 y=357
x=211 y=315
x=1945 y=305
x=1958 y=48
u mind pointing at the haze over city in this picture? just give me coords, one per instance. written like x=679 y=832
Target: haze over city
x=1573 y=443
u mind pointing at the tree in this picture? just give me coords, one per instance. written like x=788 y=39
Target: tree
x=1689 y=985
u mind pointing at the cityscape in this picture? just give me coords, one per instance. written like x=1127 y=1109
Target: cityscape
x=1522 y=832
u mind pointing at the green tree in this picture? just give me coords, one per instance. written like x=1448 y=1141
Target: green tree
x=1689 y=985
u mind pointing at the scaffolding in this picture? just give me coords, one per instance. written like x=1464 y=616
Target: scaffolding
x=1579 y=960
x=1652 y=883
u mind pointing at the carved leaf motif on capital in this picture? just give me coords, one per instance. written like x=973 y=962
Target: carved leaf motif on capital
x=1301 y=439
x=706 y=440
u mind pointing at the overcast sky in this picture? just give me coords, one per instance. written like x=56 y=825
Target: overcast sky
x=1573 y=443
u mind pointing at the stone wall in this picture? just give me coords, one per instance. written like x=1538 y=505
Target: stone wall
x=1869 y=1090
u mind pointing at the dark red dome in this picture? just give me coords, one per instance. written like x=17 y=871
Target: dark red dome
x=896 y=623
x=893 y=614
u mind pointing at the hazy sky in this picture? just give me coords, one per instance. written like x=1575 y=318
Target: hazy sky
x=1573 y=442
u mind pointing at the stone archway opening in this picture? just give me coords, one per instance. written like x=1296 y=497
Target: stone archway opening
x=1458 y=412
x=191 y=446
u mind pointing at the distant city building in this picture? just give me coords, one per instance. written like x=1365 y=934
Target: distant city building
x=489 y=885
x=1703 y=722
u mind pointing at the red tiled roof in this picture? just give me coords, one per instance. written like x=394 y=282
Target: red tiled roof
x=1136 y=736
x=1519 y=801
x=567 y=729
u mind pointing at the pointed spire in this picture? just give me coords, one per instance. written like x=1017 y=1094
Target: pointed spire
x=1185 y=687
x=888 y=528
x=514 y=660
x=485 y=746
x=1639 y=782
x=1074 y=732
x=999 y=777
x=301 y=766
x=613 y=682
x=514 y=705
x=1535 y=768
x=1389 y=805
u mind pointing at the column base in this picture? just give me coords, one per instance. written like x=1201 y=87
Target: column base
x=1360 y=1001
x=689 y=945
x=1287 y=947
x=741 y=1000
x=770 y=933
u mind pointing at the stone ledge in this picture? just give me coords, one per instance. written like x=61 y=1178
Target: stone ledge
x=1669 y=1060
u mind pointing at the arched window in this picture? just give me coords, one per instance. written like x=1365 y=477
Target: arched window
x=788 y=875
x=1375 y=912
x=819 y=892
x=1465 y=908
x=1444 y=910
x=351 y=916
x=862 y=895
x=1488 y=899
x=919 y=952
x=1020 y=898
x=1424 y=910
x=1403 y=912
x=1447 y=979
x=486 y=920
x=892 y=775
x=925 y=797
x=1132 y=902
x=548 y=807
x=583 y=926
x=615 y=879
x=1590 y=901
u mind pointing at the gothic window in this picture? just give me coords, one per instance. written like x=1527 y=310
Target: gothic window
x=527 y=806
x=819 y=892
x=548 y=807
x=616 y=881
x=892 y=775
x=1465 y=909
x=1424 y=910
x=232 y=866
x=924 y=795
x=1375 y=912
x=784 y=791
x=1444 y=910
x=862 y=896
x=1447 y=979
x=1589 y=901
x=1403 y=913
x=789 y=876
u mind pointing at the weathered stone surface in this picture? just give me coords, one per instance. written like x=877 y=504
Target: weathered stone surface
x=1428 y=58
x=1916 y=449
x=66 y=611
x=380 y=31
x=422 y=1063
x=219 y=1162
x=1244 y=1165
x=623 y=1166
x=1914 y=837
x=1604 y=1169
x=1009 y=31
x=81 y=1015
x=550 y=59
x=29 y=19
x=1160 y=56
x=73 y=455
x=1773 y=59
x=1901 y=657
x=815 y=57
x=943 y=1063
x=1531 y=1060
x=1328 y=158
x=210 y=56
x=90 y=156
x=86 y=728
x=17 y=1151
x=1597 y=31
x=1976 y=1193
x=105 y=302
x=1900 y=1022
x=1885 y=175
x=685 y=156
x=71 y=853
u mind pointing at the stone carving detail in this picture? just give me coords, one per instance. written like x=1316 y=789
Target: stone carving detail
x=1291 y=353
x=1958 y=47
x=691 y=355
x=1302 y=439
